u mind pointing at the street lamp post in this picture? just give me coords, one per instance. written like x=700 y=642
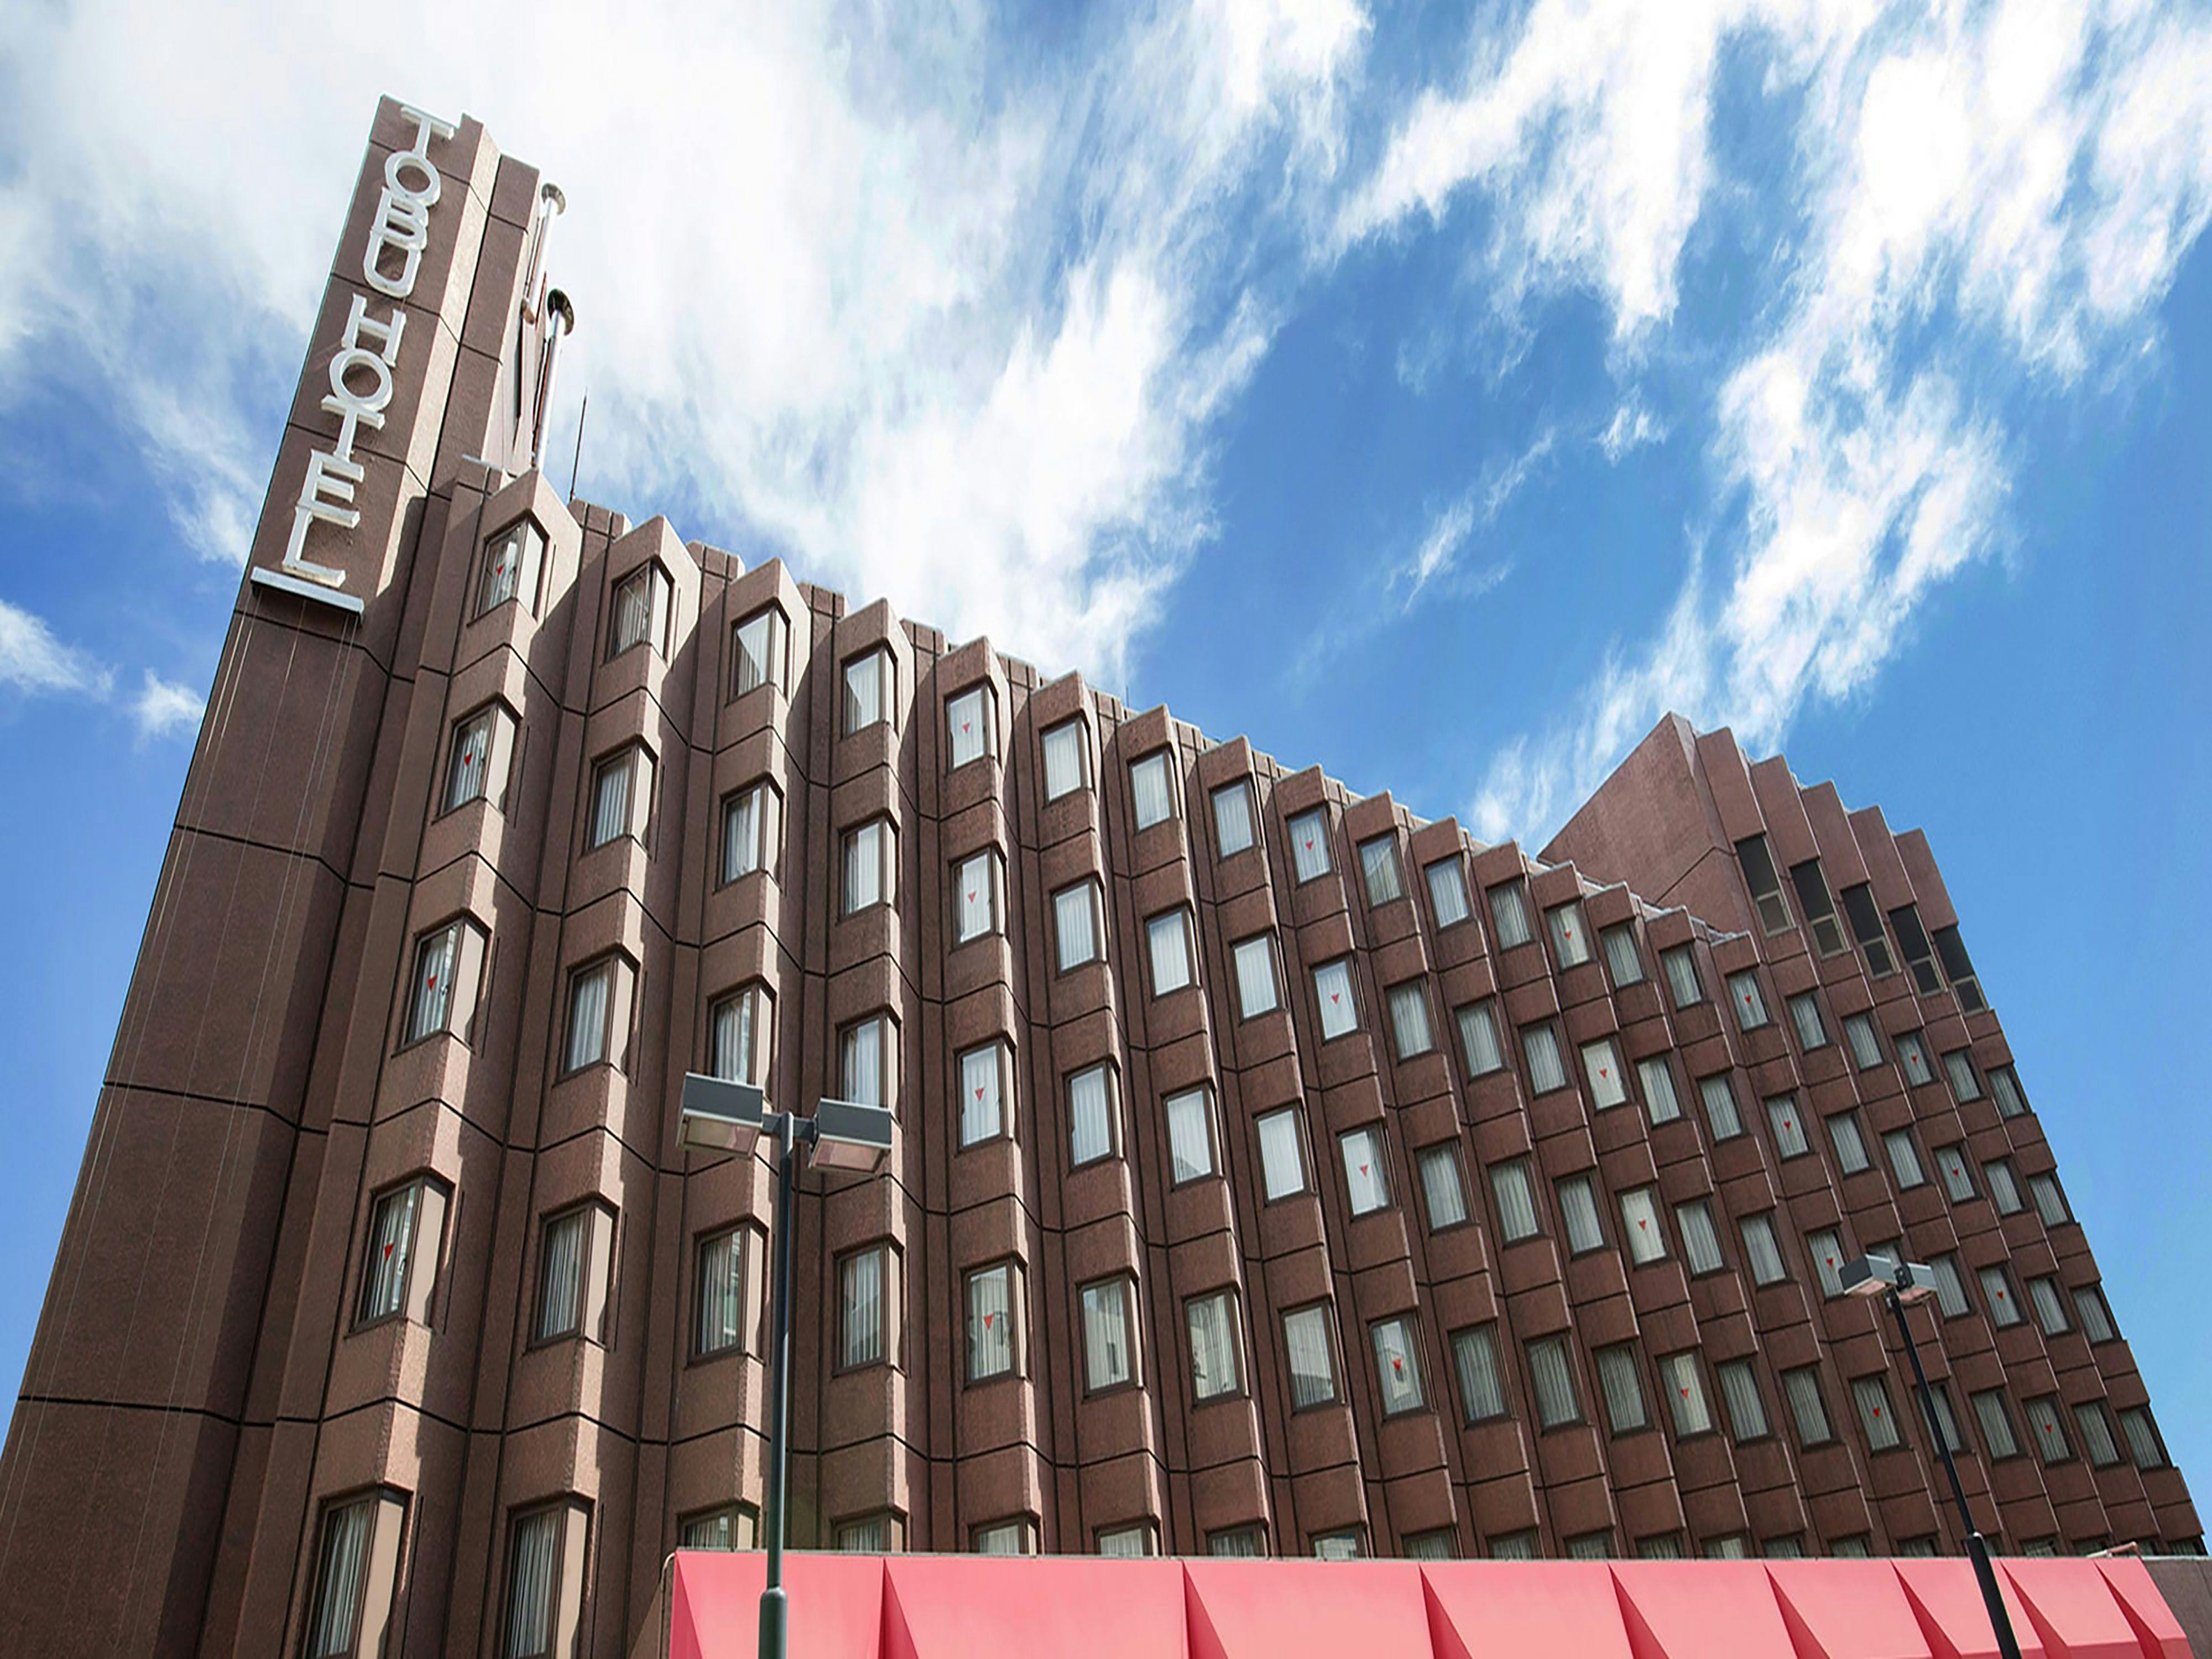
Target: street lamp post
x=722 y=1116
x=1898 y=1283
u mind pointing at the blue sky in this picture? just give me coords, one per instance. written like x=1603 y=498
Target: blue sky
x=1840 y=372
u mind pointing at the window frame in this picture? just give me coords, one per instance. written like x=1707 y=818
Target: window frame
x=1161 y=758
x=528 y=589
x=415 y=1290
x=1239 y=1383
x=1017 y=1353
x=661 y=610
x=1079 y=729
x=850 y=709
x=471 y=946
x=986 y=715
x=591 y=1317
x=891 y=1308
x=994 y=886
x=1126 y=1284
x=1110 y=1083
x=1000 y=1055
x=1088 y=884
x=565 y=1590
x=618 y=1013
x=1240 y=790
x=886 y=860
x=767 y=830
x=775 y=674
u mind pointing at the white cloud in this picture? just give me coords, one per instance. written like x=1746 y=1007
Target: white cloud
x=1632 y=426
x=1439 y=554
x=161 y=708
x=32 y=661
x=944 y=320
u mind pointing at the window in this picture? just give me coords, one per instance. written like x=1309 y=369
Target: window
x=867 y=1317
x=1805 y=1015
x=1744 y=995
x=1639 y=1226
x=1996 y=1295
x=1681 y=964
x=1092 y=1120
x=576 y=1257
x=1540 y=1047
x=1801 y=1389
x=442 y=992
x=1818 y=909
x=1905 y=919
x=1233 y=829
x=718 y=1311
x=1865 y=1045
x=545 y=1587
x=1865 y=917
x=1448 y=891
x=1443 y=1189
x=1076 y=924
x=1478 y=1038
x=1601 y=1067
x=1552 y=1378
x=1140 y=1540
x=2050 y=1434
x=1870 y=1395
x=1569 y=933
x=1409 y=1019
x=1666 y=1546
x=1718 y=1096
x=1151 y=789
x=1378 y=865
x=1758 y=875
x=2005 y=1084
x=1310 y=844
x=1168 y=938
x=1517 y=1199
x=870 y=682
x=866 y=1060
x=1333 y=996
x=1686 y=1394
x=1957 y=1174
x=993 y=1305
x=1513 y=1547
x=1732 y=1547
x=1825 y=1246
x=1191 y=1134
x=1789 y=1126
x=1213 y=1363
x=1791 y=1548
x=2144 y=1446
x=1661 y=1103
x=1701 y=1244
x=1312 y=1361
x=1621 y=960
x=512 y=560
x=1844 y=1135
x=1109 y=1320
x=1578 y=1214
x=733 y=1527
x=1396 y=1367
x=1366 y=1183
x=1913 y=1056
x=1960 y=1066
x=1255 y=962
x=483 y=744
x=599 y=1015
x=1064 y=754
x=2049 y=1202
x=976 y=884
x=642 y=603
x=1241 y=1543
x=871 y=865
x=1438 y=1544
x=1950 y=1286
x=1015 y=1537
x=1958 y=968
x=1997 y=1425
x=2004 y=1192
x=759 y=652
x=2049 y=1307
x=1761 y=1251
x=737 y=1027
x=621 y=797
x=1621 y=1389
x=971 y=722
x=1509 y=914
x=750 y=821
x=1336 y=1546
x=2094 y=1313
x=1474 y=1358
x=2095 y=1429
x=406 y=1241
x=1904 y=1159
x=1740 y=1397
x=871 y=1535
x=982 y=1093
x=1947 y=1423
x=1282 y=1154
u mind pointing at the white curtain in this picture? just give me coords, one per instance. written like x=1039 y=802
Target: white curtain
x=1310 y=845
x=1876 y=1415
x=1963 y=1083
x=734 y=1038
x=1554 y=1382
x=1623 y=1388
x=1063 y=759
x=1255 y=977
x=741 y=828
x=1148 y=782
x=1282 y=1170
x=1764 y=1254
x=503 y=562
x=864 y=691
x=1570 y=934
x=1442 y=1189
x=1378 y=860
x=1851 y=1145
x=587 y=1017
x=861 y=1309
x=391 y=1241
x=561 y=1275
x=1480 y=1393
x=1478 y=1035
x=990 y=1330
x=633 y=613
x=1866 y=1047
x=1950 y=1289
x=1660 y=1100
x=721 y=1294
x=1540 y=1045
x=755 y=653
x=337 y=1591
x=979 y=1095
x=1072 y=919
x=1508 y=912
x=863 y=1062
x=2049 y=1311
x=1750 y=1002
x=1602 y=1066
x=1806 y=1012
x=1516 y=1202
x=1213 y=1347
x=1332 y=995
x=974 y=902
x=870 y=1537
x=1447 y=892
x=530 y=1586
x=1681 y=966
x=864 y=866
x=1827 y=1252
x=1232 y=818
x=1106 y=1335
x=1409 y=1019
x=1789 y=1125
x=1746 y=1412
x=1620 y=958
x=969 y=715
x=1719 y=1097
x=1363 y=1176
x=1306 y=1336
x=1089 y=1109
x=1189 y=1146
x=1904 y=1158
x=1701 y=1245
x=1578 y=1209
x=1639 y=1226
x=611 y=801
x=1394 y=1362
x=433 y=983
x=472 y=761
x=1170 y=952
x=1803 y=1389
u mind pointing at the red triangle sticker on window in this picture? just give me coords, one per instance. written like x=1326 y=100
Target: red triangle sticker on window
x=979 y=1091
x=1310 y=844
x=387 y=1250
x=1686 y=1393
x=1336 y=996
x=1398 y=1366
x=987 y=1318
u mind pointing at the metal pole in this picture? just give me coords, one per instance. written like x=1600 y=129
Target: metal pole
x=1976 y=1549
x=774 y=1605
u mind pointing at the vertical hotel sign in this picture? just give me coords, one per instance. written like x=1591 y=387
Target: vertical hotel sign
x=360 y=370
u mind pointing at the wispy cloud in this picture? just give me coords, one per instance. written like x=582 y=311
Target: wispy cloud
x=34 y=663
x=161 y=708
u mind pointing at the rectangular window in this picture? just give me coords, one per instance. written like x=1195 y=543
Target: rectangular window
x=991 y=1317
x=748 y=827
x=1333 y=996
x=982 y=1086
x=1801 y=1389
x=1064 y=752
x=865 y=1061
x=1152 y=789
x=1366 y=1183
x=1578 y=1215
x=1601 y=1067
x=1621 y=1389
x=1214 y=1372
x=1448 y=891
x=870 y=862
x=1805 y=1015
x=1108 y=1345
x=718 y=1313
x=1232 y=818
x=975 y=896
x=406 y=1241
x=2050 y=1434
x=1686 y=1394
x=2144 y=1446
x=2094 y=1313
x=1129 y=1541
x=1436 y=1545
x=1913 y=1056
x=1947 y=1422
x=1516 y=1196
x=442 y=994
x=865 y=1316
x=621 y=795
x=2049 y=1307
x=1870 y=1395
x=1958 y=968
x=1552 y=1378
x=1075 y=924
x=1016 y=1537
x=2004 y=1192
x=1844 y=1135
x=1569 y=933
x=1481 y=1390
x=1865 y=917
x=468 y=774
x=1761 y=1251
x=1717 y=1095
x=1758 y=875
x=575 y=1255
x=1168 y=938
x=599 y=1015
x=1997 y=1425
x=1378 y=865
x=869 y=1535
x=1282 y=1153
x=733 y=1527
x=1443 y=1189
x=1740 y=1396
x=1818 y=909
x=1666 y=1546
x=1478 y=1038
x=1310 y=844
x=1960 y=1066
x=971 y=725
x=1865 y=1045
x=1906 y=921
x=1513 y=1547
x=1409 y=1019
x=1904 y=1159
x=2005 y=1084
x=1957 y=1174
x=1191 y=1134
x=1255 y=962
x=1789 y=1126
x=758 y=650
x=1621 y=960
x=1238 y=1543
x=1681 y=964
x=1337 y=1546
x=1639 y=1226
x=1540 y=1047
x=1509 y=914
x=1312 y=1362
x=1661 y=1103
x=512 y=560
x=737 y=1036
x=642 y=602
x=544 y=1583
x=1091 y=1115
x=1996 y=1296
x=1701 y=1244
x=1950 y=1286
x=1396 y=1366
x=2049 y=1202
x=1825 y=1246
x=1745 y=997
x=869 y=679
